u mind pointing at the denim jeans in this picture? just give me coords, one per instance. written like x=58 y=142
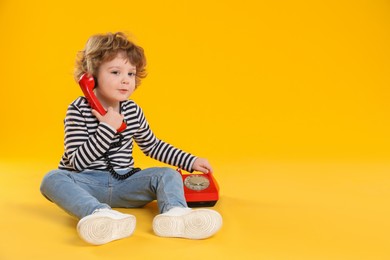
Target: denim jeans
x=80 y=193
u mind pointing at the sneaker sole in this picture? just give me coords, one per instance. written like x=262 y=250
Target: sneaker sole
x=98 y=230
x=197 y=224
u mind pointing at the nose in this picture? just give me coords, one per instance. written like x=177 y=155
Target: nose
x=125 y=81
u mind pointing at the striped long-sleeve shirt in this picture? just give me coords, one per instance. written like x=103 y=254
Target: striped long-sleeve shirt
x=87 y=141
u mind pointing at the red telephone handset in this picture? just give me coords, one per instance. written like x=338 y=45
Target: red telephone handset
x=87 y=83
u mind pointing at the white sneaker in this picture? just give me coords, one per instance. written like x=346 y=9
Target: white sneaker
x=105 y=225
x=187 y=223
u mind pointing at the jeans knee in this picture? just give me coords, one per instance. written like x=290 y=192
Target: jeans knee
x=170 y=174
x=46 y=182
x=49 y=181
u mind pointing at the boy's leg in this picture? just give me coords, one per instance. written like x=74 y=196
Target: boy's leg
x=158 y=183
x=166 y=185
x=80 y=194
x=72 y=192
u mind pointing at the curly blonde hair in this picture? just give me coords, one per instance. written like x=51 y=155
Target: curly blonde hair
x=105 y=47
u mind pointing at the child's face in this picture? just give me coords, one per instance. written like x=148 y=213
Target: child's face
x=116 y=81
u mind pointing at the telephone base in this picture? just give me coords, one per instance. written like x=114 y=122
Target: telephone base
x=196 y=204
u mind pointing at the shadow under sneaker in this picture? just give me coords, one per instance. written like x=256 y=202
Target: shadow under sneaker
x=187 y=223
x=105 y=225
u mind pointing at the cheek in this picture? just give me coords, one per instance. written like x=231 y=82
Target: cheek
x=132 y=83
x=100 y=80
x=106 y=82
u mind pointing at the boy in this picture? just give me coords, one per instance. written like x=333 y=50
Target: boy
x=97 y=171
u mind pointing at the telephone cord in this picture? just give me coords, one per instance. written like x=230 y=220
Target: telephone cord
x=110 y=168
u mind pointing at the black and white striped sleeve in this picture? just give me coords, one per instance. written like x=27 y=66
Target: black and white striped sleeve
x=81 y=148
x=158 y=149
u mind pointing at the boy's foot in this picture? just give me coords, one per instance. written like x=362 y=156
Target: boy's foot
x=187 y=223
x=105 y=225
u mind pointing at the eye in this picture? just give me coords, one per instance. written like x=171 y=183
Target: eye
x=131 y=74
x=115 y=72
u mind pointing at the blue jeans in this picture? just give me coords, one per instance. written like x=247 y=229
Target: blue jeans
x=80 y=193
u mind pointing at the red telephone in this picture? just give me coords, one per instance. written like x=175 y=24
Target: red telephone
x=87 y=83
x=200 y=190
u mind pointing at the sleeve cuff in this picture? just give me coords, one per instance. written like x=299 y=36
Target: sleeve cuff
x=108 y=127
x=191 y=164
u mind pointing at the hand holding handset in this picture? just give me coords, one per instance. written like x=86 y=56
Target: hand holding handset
x=87 y=83
x=200 y=190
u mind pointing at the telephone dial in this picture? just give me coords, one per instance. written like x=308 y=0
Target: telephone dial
x=87 y=83
x=200 y=190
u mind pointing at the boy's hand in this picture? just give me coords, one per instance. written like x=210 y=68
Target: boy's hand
x=112 y=118
x=202 y=165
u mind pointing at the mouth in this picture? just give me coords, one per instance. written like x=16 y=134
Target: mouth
x=123 y=91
